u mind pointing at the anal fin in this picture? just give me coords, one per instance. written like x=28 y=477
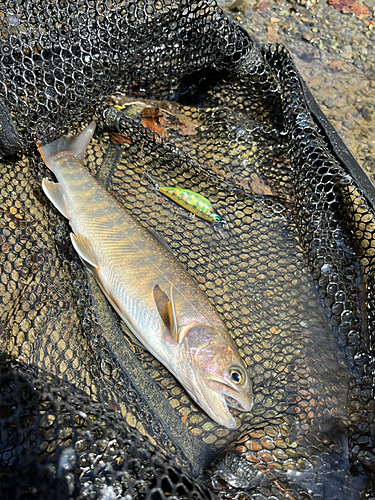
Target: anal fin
x=55 y=194
x=84 y=249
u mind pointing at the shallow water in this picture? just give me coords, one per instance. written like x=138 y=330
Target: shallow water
x=333 y=51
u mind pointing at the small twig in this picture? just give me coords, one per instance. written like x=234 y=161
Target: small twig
x=131 y=345
x=279 y=486
x=140 y=153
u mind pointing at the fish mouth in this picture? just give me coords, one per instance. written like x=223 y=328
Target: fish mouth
x=234 y=403
x=233 y=396
x=221 y=396
x=215 y=397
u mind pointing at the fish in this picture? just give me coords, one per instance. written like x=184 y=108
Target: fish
x=191 y=201
x=148 y=287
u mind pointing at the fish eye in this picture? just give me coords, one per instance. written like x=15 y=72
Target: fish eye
x=217 y=218
x=237 y=376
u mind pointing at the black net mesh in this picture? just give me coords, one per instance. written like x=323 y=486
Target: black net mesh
x=61 y=58
x=83 y=450
x=291 y=273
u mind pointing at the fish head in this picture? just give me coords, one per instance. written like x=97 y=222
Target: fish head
x=220 y=376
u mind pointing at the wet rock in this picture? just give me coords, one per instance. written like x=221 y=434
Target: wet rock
x=334 y=102
x=348 y=124
x=342 y=59
x=347 y=52
x=307 y=56
x=272 y=35
x=366 y=113
x=263 y=6
x=370 y=4
x=310 y=37
x=238 y=6
x=330 y=103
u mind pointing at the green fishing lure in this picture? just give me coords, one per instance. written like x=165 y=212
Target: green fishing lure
x=193 y=202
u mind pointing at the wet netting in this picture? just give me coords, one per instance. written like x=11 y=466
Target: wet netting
x=183 y=97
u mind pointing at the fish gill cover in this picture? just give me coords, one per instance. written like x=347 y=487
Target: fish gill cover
x=86 y=414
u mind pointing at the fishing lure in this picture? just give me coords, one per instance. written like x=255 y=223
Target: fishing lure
x=194 y=202
x=191 y=201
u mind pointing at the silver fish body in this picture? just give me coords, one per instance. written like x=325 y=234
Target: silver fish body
x=151 y=291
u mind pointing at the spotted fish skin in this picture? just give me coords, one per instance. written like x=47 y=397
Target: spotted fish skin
x=194 y=202
x=147 y=286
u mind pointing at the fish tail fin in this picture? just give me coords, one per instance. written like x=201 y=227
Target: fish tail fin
x=77 y=145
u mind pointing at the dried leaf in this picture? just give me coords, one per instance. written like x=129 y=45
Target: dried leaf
x=113 y=404
x=120 y=138
x=257 y=186
x=272 y=35
x=263 y=6
x=154 y=113
x=185 y=126
x=154 y=119
x=168 y=106
x=360 y=10
x=335 y=65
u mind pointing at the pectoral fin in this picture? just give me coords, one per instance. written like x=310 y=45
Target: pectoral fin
x=54 y=192
x=167 y=312
x=84 y=249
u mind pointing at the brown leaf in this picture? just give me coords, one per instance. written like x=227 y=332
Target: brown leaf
x=359 y=10
x=154 y=119
x=168 y=107
x=272 y=35
x=119 y=138
x=263 y=6
x=346 y=6
x=335 y=65
x=185 y=126
x=257 y=186
x=113 y=404
x=152 y=113
x=340 y=4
